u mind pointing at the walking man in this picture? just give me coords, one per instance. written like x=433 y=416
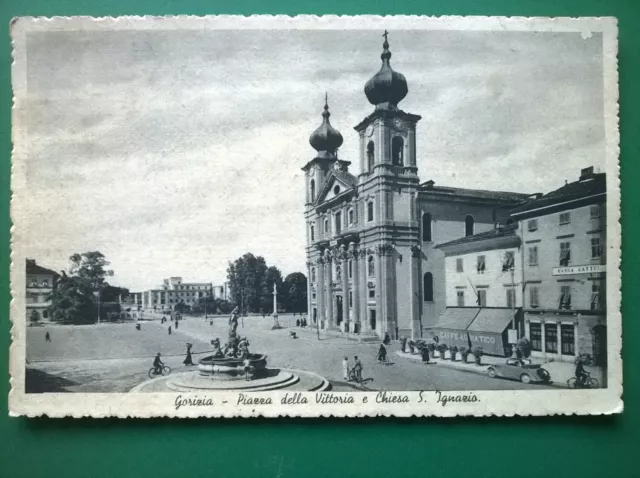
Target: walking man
x=47 y=337
x=345 y=368
x=169 y=330
x=357 y=367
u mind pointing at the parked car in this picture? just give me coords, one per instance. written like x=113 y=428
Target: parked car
x=520 y=369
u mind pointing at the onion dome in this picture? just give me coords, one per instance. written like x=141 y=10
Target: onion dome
x=387 y=88
x=326 y=140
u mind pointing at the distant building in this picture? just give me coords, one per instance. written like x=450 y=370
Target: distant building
x=40 y=284
x=564 y=273
x=483 y=275
x=173 y=292
x=221 y=291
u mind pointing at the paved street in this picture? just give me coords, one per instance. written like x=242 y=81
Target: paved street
x=116 y=357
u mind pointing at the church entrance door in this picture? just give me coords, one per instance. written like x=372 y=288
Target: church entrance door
x=372 y=319
x=339 y=309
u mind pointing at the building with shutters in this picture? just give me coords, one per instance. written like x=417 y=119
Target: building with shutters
x=371 y=251
x=563 y=236
x=483 y=275
x=171 y=293
x=40 y=285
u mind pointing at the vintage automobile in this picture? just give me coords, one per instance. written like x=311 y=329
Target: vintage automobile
x=520 y=369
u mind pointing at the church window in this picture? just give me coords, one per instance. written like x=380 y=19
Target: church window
x=397 y=151
x=313 y=274
x=326 y=226
x=427 y=285
x=468 y=226
x=370 y=156
x=350 y=269
x=426 y=227
x=312 y=232
x=336 y=190
x=312 y=189
x=338 y=222
x=338 y=273
x=371 y=268
x=370 y=211
x=350 y=217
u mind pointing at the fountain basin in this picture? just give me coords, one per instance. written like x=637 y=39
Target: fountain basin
x=232 y=367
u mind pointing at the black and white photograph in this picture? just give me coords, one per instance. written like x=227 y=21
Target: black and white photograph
x=314 y=216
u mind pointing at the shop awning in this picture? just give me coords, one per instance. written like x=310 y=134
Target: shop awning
x=492 y=320
x=456 y=318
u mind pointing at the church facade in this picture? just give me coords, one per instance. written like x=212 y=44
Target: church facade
x=372 y=263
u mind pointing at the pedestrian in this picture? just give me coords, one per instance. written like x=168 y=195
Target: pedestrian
x=176 y=324
x=305 y=322
x=382 y=354
x=387 y=339
x=169 y=330
x=47 y=337
x=137 y=326
x=211 y=323
x=345 y=368
x=425 y=354
x=188 y=360
x=297 y=322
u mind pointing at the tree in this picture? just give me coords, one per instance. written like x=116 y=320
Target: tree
x=110 y=293
x=92 y=267
x=247 y=281
x=199 y=306
x=295 y=292
x=34 y=317
x=72 y=301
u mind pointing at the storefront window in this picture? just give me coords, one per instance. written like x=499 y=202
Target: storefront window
x=567 y=339
x=535 y=331
x=551 y=338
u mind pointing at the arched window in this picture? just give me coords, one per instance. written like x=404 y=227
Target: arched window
x=397 y=151
x=371 y=268
x=350 y=268
x=326 y=225
x=338 y=222
x=351 y=216
x=427 y=286
x=370 y=156
x=426 y=227
x=468 y=226
x=312 y=190
x=370 y=211
x=313 y=274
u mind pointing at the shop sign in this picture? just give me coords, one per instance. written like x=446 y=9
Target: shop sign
x=586 y=269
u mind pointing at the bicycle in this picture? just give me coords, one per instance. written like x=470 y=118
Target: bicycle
x=355 y=376
x=165 y=370
x=384 y=361
x=588 y=382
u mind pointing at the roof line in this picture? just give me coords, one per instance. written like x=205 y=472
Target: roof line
x=556 y=204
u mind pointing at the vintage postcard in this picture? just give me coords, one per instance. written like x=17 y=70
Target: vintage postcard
x=315 y=216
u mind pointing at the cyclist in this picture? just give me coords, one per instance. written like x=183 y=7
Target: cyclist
x=581 y=374
x=157 y=364
x=357 y=368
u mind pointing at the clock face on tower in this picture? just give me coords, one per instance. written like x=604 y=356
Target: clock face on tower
x=369 y=131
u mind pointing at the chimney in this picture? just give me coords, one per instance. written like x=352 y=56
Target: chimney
x=586 y=173
x=429 y=184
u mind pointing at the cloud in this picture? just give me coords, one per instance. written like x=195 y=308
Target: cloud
x=173 y=152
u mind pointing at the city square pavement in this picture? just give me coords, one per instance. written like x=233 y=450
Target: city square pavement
x=116 y=357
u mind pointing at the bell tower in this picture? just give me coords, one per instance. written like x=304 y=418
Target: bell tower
x=388 y=186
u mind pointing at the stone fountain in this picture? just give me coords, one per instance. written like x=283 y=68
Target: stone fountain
x=234 y=368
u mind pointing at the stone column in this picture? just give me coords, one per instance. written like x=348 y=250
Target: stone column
x=355 y=282
x=309 y=292
x=320 y=290
x=344 y=257
x=364 y=296
x=135 y=299
x=379 y=297
x=414 y=284
x=329 y=260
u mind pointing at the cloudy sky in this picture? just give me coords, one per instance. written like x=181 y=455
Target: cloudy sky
x=173 y=152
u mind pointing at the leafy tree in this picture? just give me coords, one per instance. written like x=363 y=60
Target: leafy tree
x=34 y=317
x=110 y=293
x=72 y=301
x=295 y=292
x=92 y=267
x=247 y=281
x=224 y=306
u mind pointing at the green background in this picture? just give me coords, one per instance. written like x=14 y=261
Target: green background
x=492 y=447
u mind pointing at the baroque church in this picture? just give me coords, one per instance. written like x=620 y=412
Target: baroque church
x=373 y=267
